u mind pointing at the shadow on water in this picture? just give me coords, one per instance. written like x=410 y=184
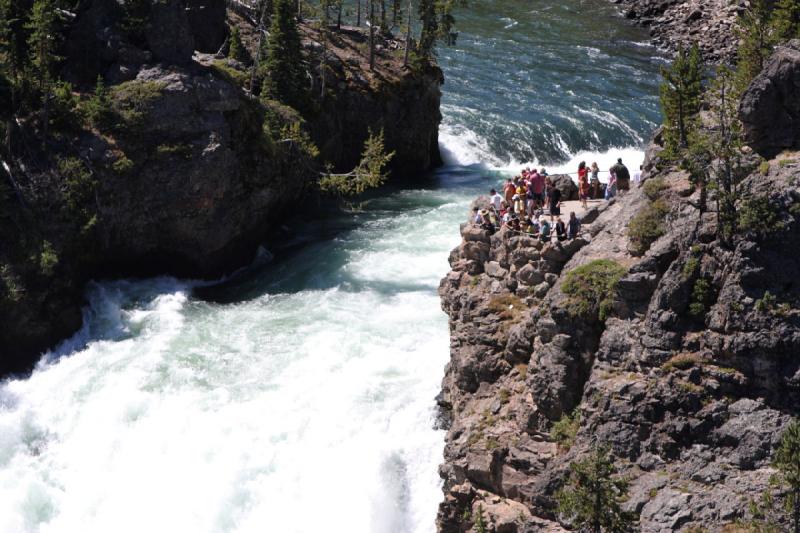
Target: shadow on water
x=313 y=253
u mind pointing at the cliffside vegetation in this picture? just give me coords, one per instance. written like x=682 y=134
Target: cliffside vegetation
x=177 y=147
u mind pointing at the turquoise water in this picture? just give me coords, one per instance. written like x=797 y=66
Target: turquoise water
x=300 y=397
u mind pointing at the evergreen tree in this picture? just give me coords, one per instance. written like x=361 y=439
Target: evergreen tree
x=786 y=19
x=787 y=460
x=757 y=41
x=592 y=498
x=681 y=93
x=237 y=50
x=13 y=39
x=43 y=39
x=370 y=172
x=286 y=77
x=430 y=27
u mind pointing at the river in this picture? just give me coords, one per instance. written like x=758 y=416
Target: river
x=301 y=398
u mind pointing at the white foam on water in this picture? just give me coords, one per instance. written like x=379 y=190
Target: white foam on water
x=292 y=412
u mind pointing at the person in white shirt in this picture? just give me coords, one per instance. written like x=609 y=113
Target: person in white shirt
x=637 y=176
x=496 y=199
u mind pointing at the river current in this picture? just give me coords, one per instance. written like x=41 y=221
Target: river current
x=300 y=398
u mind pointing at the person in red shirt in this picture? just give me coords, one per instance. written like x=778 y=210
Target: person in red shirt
x=537 y=188
x=583 y=183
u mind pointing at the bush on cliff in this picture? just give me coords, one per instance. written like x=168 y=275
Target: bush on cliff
x=647 y=226
x=591 y=289
x=787 y=461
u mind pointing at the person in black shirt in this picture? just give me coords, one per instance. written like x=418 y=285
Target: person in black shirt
x=554 y=198
x=623 y=176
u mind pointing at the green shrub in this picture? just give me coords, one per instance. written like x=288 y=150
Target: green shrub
x=65 y=112
x=690 y=267
x=79 y=184
x=654 y=187
x=766 y=303
x=236 y=50
x=11 y=285
x=591 y=288
x=122 y=165
x=48 y=259
x=563 y=432
x=647 y=226
x=98 y=107
x=756 y=215
x=701 y=297
x=764 y=167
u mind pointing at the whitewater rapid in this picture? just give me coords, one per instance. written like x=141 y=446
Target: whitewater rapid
x=307 y=403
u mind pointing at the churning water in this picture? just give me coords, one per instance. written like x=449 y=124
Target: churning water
x=301 y=397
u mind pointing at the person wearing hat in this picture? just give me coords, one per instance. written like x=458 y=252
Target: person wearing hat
x=544 y=229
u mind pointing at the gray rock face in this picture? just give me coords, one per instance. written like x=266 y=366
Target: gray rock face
x=169 y=36
x=207 y=24
x=673 y=23
x=770 y=108
x=693 y=407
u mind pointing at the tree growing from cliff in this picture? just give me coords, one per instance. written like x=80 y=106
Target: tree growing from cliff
x=286 y=79
x=681 y=95
x=430 y=27
x=787 y=461
x=592 y=498
x=370 y=172
x=42 y=42
x=757 y=38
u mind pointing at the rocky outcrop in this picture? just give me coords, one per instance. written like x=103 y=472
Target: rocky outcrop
x=770 y=108
x=179 y=175
x=674 y=23
x=690 y=378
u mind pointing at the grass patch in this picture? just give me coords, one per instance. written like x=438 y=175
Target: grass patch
x=647 y=226
x=591 y=289
x=507 y=306
x=522 y=368
x=654 y=187
x=176 y=150
x=682 y=361
x=764 y=167
x=132 y=99
x=232 y=75
x=563 y=432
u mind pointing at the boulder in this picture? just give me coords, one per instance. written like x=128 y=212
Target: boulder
x=564 y=183
x=770 y=108
x=207 y=24
x=168 y=33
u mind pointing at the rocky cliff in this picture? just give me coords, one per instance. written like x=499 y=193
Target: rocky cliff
x=173 y=171
x=673 y=23
x=678 y=351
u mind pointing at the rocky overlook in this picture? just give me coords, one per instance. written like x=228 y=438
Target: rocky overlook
x=180 y=175
x=687 y=369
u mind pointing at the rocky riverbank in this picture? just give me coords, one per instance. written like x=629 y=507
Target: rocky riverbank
x=673 y=23
x=687 y=368
x=180 y=175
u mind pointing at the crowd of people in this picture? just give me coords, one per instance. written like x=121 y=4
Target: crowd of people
x=525 y=198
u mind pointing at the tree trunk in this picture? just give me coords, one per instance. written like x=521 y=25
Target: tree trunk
x=358 y=13
x=383 y=15
x=797 y=510
x=339 y=17
x=408 y=35
x=372 y=34
x=395 y=12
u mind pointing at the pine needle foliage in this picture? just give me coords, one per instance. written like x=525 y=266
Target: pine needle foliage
x=286 y=79
x=681 y=95
x=370 y=172
x=757 y=38
x=786 y=19
x=592 y=498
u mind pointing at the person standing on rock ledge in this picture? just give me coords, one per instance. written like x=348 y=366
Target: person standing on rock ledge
x=623 y=176
x=554 y=199
x=496 y=199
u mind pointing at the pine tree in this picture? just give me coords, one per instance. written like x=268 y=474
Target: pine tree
x=786 y=19
x=787 y=461
x=286 y=77
x=592 y=498
x=43 y=40
x=430 y=27
x=370 y=172
x=757 y=41
x=681 y=93
x=236 y=50
x=13 y=45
